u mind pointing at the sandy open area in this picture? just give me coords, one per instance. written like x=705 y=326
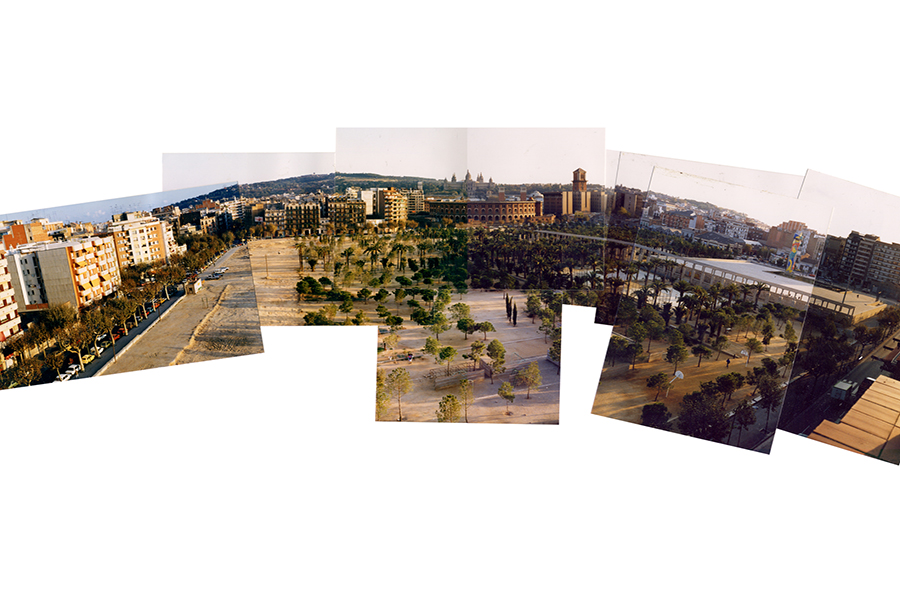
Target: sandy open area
x=275 y=273
x=623 y=392
x=523 y=343
x=220 y=321
x=275 y=263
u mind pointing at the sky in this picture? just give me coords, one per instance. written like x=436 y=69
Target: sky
x=506 y=155
x=433 y=152
x=101 y=210
x=770 y=208
x=856 y=207
x=537 y=155
x=634 y=170
x=825 y=203
x=182 y=170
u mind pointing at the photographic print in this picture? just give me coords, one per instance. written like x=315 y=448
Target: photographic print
x=122 y=285
x=468 y=294
x=844 y=390
x=717 y=273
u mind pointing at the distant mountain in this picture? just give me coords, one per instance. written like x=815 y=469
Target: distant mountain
x=304 y=184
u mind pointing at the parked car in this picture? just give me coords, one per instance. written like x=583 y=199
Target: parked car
x=73 y=369
x=87 y=359
x=64 y=376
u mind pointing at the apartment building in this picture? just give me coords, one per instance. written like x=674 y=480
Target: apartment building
x=10 y=321
x=78 y=272
x=16 y=233
x=141 y=239
x=346 y=213
x=391 y=204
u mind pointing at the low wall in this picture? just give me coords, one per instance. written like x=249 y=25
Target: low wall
x=443 y=383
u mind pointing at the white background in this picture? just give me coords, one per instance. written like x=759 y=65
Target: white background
x=265 y=476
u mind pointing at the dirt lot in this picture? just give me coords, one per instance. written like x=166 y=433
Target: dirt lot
x=623 y=391
x=523 y=343
x=220 y=321
x=275 y=263
x=275 y=274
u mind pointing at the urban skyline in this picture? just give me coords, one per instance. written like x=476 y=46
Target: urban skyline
x=103 y=210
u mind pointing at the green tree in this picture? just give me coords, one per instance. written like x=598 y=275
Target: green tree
x=390 y=341
x=701 y=352
x=478 y=349
x=446 y=355
x=656 y=415
x=382 y=398
x=770 y=394
x=702 y=416
x=506 y=392
x=497 y=354
x=466 y=395
x=720 y=344
x=432 y=346
x=346 y=306
x=448 y=409
x=659 y=382
x=744 y=417
x=466 y=325
x=533 y=305
x=752 y=345
x=728 y=384
x=439 y=324
x=676 y=355
x=485 y=328
x=396 y=384
x=460 y=311
x=530 y=377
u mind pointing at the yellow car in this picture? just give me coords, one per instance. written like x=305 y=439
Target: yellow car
x=87 y=358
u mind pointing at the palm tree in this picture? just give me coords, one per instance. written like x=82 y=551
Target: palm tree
x=760 y=287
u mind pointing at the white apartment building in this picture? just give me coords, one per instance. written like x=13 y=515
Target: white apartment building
x=142 y=239
x=78 y=272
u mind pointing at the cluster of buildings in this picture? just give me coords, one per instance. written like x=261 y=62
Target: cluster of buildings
x=729 y=231
x=488 y=203
x=45 y=263
x=863 y=261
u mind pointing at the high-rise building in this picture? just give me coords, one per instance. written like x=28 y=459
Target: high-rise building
x=10 y=321
x=856 y=257
x=391 y=204
x=78 y=272
x=142 y=239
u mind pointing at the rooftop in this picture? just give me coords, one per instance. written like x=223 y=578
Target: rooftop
x=871 y=426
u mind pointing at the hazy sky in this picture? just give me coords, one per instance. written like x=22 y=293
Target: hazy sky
x=508 y=155
x=633 y=170
x=537 y=155
x=192 y=169
x=102 y=210
x=770 y=208
x=856 y=207
x=435 y=152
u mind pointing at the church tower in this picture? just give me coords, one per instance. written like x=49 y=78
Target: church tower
x=579 y=180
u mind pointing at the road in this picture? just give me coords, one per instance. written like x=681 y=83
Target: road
x=219 y=321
